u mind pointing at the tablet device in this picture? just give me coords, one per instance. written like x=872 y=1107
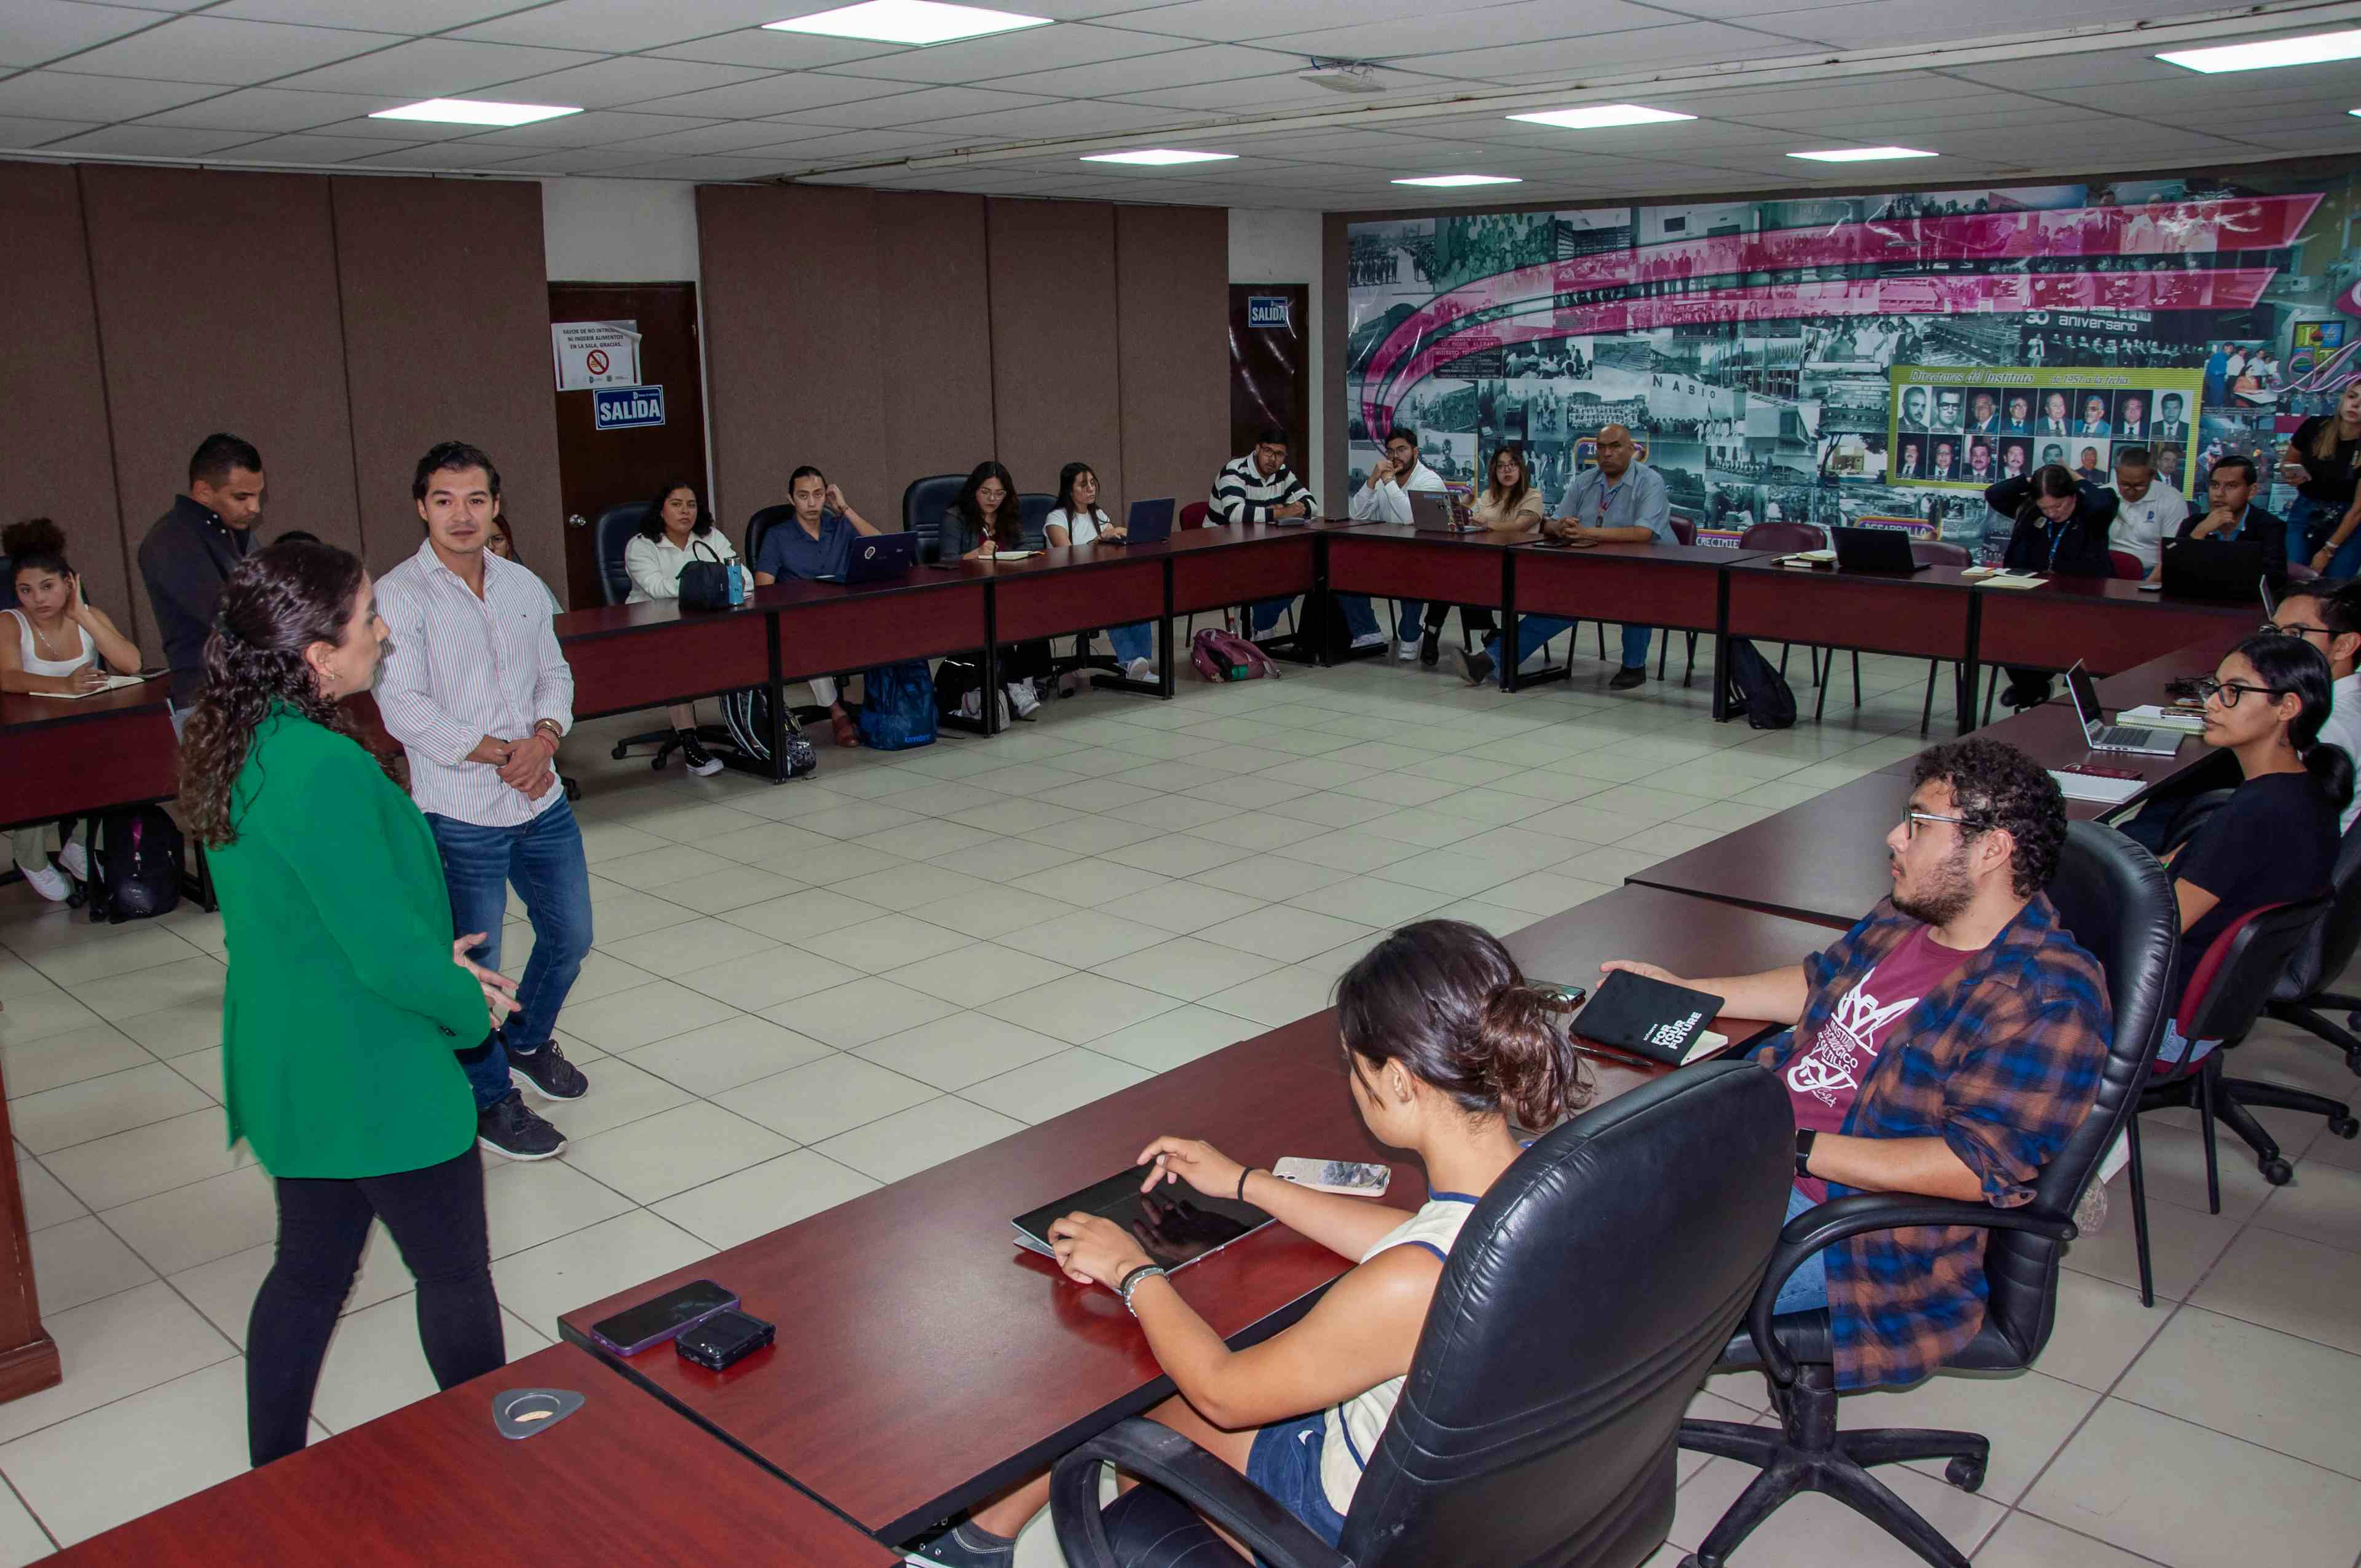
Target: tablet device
x=1174 y=1225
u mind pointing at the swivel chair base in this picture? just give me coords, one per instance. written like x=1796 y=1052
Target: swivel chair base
x=1808 y=1453
x=2306 y=1014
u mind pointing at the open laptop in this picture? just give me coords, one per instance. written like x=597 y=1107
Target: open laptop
x=1883 y=549
x=1149 y=522
x=2226 y=571
x=1174 y=1224
x=2104 y=736
x=874 y=557
x=1431 y=512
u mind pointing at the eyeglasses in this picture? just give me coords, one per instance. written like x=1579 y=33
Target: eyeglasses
x=1910 y=820
x=2231 y=691
x=2272 y=628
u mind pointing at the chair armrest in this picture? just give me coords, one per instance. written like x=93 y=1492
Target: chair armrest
x=1855 y=1216
x=1154 y=1452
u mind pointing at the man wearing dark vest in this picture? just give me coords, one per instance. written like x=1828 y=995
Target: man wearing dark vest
x=190 y=551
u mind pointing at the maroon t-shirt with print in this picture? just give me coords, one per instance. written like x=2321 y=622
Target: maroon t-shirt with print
x=1824 y=1078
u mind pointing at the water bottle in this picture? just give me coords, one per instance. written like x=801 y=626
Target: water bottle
x=737 y=585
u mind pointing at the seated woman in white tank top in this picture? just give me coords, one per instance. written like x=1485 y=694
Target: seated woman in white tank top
x=51 y=642
x=1450 y=1053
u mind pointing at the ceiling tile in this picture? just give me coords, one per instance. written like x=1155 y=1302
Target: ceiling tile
x=307 y=149
x=1878 y=24
x=2073 y=73
x=597 y=128
x=414 y=16
x=1651 y=47
x=1281 y=89
x=1067 y=117
x=628 y=79
x=1007 y=54
x=397 y=130
x=786 y=94
x=18 y=134
x=1186 y=66
x=95 y=100
x=1529 y=22
x=726 y=135
x=713 y=167
x=273 y=109
x=150 y=141
x=834 y=147
x=229 y=53
x=437 y=68
x=777 y=51
x=39 y=31
x=439 y=155
x=622 y=27
x=929 y=104
x=1237 y=21
x=565 y=160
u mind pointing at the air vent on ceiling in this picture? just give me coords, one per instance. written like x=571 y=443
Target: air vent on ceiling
x=1343 y=76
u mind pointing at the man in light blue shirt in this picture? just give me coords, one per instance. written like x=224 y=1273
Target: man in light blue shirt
x=1619 y=502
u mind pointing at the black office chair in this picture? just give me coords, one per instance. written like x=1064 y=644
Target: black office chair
x=924 y=501
x=611 y=536
x=2301 y=996
x=2117 y=900
x=1033 y=509
x=1574 y=1318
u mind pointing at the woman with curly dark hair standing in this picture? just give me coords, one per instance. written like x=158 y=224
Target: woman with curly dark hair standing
x=346 y=995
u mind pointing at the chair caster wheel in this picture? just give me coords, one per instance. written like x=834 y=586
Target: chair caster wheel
x=620 y=751
x=1967 y=1475
x=2344 y=1127
x=2277 y=1172
x=656 y=765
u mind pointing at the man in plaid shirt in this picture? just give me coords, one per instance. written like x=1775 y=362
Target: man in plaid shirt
x=1947 y=1046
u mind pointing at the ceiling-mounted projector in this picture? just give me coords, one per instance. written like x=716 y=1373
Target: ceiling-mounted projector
x=1343 y=76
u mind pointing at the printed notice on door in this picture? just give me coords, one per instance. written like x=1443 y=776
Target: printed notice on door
x=595 y=353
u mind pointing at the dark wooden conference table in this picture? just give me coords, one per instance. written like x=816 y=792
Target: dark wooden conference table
x=619 y=1483
x=926 y=1362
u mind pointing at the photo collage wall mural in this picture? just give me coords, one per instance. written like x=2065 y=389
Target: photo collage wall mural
x=1873 y=360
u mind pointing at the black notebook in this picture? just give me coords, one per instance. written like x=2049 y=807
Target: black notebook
x=1649 y=1018
x=1174 y=1224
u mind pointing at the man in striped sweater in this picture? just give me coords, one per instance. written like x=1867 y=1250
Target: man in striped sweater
x=1261 y=488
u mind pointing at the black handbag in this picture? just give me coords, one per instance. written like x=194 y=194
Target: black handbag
x=712 y=584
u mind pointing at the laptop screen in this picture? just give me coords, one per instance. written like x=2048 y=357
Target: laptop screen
x=2085 y=694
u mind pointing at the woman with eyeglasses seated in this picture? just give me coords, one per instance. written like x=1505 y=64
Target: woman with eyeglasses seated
x=2274 y=839
x=980 y=522
x=1453 y=1055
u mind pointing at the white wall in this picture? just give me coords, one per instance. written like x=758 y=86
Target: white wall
x=620 y=231
x=1276 y=245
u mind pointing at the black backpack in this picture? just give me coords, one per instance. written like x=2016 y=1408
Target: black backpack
x=135 y=865
x=1757 y=690
x=747 y=712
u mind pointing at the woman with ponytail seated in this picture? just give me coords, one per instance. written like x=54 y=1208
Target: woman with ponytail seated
x=1451 y=1055
x=2274 y=839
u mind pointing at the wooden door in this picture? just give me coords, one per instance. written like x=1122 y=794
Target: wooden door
x=598 y=468
x=1269 y=380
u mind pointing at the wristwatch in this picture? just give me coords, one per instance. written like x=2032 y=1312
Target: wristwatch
x=1804 y=1140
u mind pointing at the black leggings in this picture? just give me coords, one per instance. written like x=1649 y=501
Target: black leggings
x=1474 y=617
x=436 y=1216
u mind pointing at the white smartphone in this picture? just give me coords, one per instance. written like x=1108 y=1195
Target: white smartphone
x=1350 y=1178
x=2151 y=588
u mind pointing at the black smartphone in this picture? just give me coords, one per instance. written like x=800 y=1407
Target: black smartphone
x=635 y=1329
x=723 y=1340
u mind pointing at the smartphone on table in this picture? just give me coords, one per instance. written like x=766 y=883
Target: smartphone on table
x=1352 y=1178
x=651 y=1322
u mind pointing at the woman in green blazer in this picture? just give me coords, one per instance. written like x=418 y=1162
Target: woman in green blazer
x=346 y=994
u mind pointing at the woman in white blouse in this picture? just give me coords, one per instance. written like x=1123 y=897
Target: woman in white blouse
x=1079 y=521
x=677 y=531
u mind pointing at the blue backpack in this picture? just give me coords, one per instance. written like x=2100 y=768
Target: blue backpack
x=898 y=709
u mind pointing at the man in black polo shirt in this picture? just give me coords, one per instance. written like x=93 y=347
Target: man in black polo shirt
x=192 y=551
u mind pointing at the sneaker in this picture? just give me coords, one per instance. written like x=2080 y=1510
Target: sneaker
x=1139 y=670
x=76 y=860
x=964 y=1546
x=695 y=757
x=1627 y=677
x=1406 y=650
x=507 y=1127
x=1430 y=648
x=1475 y=665
x=547 y=1073
x=49 y=882
x=1021 y=694
x=1370 y=640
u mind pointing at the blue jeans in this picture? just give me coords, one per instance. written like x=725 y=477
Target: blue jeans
x=1533 y=630
x=2306 y=514
x=544 y=859
x=1285 y=1463
x=1807 y=1289
x=1133 y=642
x=1359 y=619
x=1409 y=619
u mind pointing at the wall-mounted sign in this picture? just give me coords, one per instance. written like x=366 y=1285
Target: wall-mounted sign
x=626 y=408
x=1267 y=310
x=595 y=353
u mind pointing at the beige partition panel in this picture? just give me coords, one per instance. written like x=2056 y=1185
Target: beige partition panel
x=447 y=338
x=935 y=342
x=1172 y=306
x=1055 y=393
x=53 y=385
x=218 y=308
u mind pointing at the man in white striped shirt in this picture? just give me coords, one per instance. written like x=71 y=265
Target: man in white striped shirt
x=474 y=688
x=1261 y=488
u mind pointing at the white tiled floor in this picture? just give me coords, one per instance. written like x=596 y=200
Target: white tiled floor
x=802 y=991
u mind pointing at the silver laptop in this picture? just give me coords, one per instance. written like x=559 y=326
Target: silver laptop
x=2104 y=736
